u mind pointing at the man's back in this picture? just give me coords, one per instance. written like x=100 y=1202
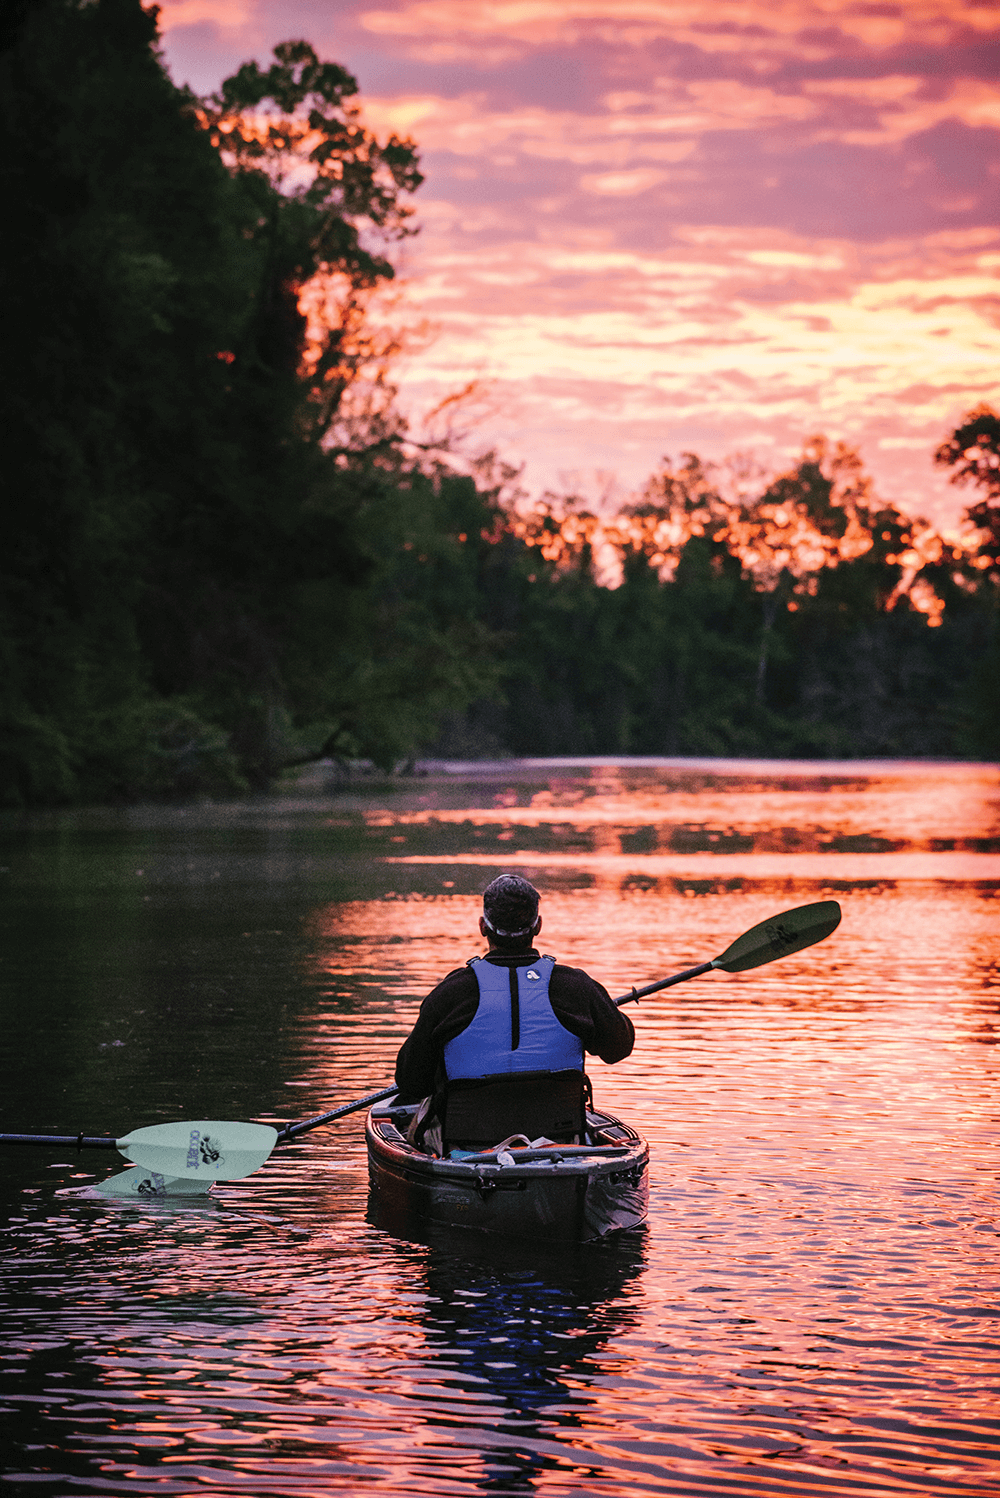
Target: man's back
x=581 y=1005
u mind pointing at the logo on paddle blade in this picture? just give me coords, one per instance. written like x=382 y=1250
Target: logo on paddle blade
x=780 y=936
x=151 y=1185
x=202 y=1150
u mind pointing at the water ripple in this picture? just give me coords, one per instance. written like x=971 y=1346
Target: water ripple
x=812 y=1309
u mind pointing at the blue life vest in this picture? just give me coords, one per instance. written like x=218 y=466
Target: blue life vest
x=514 y=1028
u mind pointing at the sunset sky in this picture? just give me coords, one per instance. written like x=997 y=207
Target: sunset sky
x=655 y=226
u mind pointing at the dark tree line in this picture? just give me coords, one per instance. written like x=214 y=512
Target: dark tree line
x=808 y=619
x=209 y=567
x=223 y=556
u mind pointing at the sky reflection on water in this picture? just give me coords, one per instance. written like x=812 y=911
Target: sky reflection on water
x=812 y=1307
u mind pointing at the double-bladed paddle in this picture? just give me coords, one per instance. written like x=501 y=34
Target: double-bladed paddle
x=180 y=1155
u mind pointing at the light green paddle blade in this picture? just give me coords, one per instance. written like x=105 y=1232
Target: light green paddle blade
x=782 y=934
x=150 y=1185
x=204 y=1151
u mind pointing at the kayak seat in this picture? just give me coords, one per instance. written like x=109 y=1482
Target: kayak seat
x=476 y=1112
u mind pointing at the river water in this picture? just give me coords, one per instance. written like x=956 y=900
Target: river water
x=812 y=1307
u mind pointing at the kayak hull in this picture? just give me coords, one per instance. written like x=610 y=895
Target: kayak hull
x=559 y=1194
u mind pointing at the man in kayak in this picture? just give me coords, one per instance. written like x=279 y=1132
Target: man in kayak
x=512 y=1017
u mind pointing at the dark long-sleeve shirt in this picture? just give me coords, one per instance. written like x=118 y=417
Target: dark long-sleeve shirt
x=583 y=1006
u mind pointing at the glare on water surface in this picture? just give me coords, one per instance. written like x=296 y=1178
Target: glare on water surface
x=812 y=1307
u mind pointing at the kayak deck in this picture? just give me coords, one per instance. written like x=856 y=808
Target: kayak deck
x=558 y=1193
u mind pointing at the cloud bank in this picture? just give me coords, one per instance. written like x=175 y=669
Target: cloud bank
x=658 y=226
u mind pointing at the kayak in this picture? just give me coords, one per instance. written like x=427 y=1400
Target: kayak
x=555 y=1193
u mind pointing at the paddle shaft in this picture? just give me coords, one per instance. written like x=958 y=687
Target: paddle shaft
x=66 y=1141
x=290 y=1131
x=638 y=993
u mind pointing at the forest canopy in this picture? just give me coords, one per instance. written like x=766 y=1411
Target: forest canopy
x=226 y=555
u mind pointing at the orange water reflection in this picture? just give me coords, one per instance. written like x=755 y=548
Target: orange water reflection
x=812 y=1307
x=916 y=946
x=823 y=1129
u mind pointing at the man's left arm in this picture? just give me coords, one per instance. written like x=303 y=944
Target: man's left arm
x=586 y=1008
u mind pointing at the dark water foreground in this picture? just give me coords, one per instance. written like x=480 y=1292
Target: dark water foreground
x=813 y=1306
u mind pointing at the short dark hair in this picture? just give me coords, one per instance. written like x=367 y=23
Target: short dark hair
x=510 y=908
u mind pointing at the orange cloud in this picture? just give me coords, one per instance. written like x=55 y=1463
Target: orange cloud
x=801 y=28
x=681 y=343
x=864 y=112
x=621 y=184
